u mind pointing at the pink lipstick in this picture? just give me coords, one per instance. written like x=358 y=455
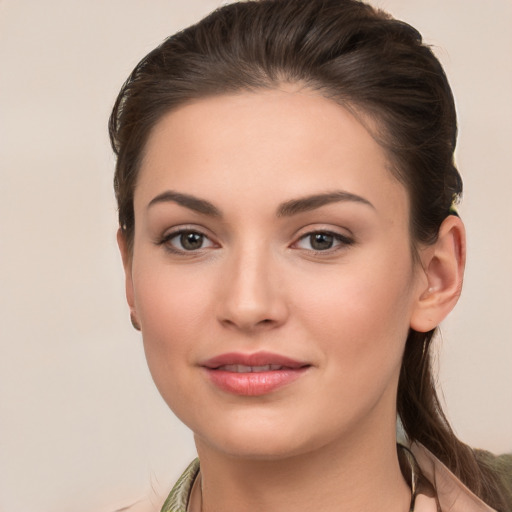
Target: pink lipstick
x=253 y=374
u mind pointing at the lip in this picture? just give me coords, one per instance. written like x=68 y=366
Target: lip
x=224 y=372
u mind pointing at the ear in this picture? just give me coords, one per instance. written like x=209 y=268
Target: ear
x=126 y=256
x=443 y=270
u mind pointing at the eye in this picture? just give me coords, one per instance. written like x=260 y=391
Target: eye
x=186 y=240
x=322 y=241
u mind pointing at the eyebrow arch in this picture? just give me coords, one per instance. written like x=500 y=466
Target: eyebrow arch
x=188 y=201
x=304 y=204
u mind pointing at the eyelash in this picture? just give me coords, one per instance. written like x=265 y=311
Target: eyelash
x=166 y=241
x=339 y=241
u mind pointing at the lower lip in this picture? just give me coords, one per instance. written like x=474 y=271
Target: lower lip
x=254 y=383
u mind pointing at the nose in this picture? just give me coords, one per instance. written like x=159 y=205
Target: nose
x=252 y=296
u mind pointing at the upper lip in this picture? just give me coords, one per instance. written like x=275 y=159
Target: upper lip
x=256 y=359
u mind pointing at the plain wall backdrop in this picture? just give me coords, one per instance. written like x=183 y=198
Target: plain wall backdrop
x=82 y=427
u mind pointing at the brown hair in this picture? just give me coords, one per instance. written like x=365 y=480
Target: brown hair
x=365 y=60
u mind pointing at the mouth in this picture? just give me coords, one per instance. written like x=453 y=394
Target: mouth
x=253 y=374
x=241 y=368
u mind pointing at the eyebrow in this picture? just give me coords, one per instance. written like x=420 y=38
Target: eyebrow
x=308 y=203
x=286 y=209
x=192 y=203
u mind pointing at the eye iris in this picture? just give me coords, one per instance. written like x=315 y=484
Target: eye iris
x=191 y=241
x=321 y=241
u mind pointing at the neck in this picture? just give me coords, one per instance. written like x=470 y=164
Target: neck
x=353 y=475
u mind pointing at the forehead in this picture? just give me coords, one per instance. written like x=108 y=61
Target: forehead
x=290 y=141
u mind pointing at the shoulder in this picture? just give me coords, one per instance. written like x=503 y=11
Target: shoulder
x=501 y=465
x=451 y=493
x=152 y=499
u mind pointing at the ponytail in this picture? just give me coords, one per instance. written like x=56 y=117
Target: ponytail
x=424 y=422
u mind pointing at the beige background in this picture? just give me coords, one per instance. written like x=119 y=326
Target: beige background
x=81 y=426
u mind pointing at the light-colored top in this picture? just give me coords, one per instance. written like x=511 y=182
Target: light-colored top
x=452 y=494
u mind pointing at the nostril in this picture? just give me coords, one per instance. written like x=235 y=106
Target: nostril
x=249 y=326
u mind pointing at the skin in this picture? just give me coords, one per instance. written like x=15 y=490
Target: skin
x=256 y=284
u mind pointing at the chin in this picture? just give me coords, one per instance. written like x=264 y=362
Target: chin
x=257 y=438
x=254 y=447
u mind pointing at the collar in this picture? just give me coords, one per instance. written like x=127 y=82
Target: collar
x=452 y=494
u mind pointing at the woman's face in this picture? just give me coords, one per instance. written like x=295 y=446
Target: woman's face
x=272 y=273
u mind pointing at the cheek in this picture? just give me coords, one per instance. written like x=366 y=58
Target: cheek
x=173 y=309
x=169 y=298
x=361 y=317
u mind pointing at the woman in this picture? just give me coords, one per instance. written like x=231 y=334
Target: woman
x=286 y=193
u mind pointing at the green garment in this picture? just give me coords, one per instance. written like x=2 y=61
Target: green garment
x=502 y=467
x=177 y=501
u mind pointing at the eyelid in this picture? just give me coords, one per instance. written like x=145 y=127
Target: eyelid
x=179 y=230
x=342 y=239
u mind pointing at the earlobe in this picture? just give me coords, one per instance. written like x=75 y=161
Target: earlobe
x=126 y=256
x=443 y=265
